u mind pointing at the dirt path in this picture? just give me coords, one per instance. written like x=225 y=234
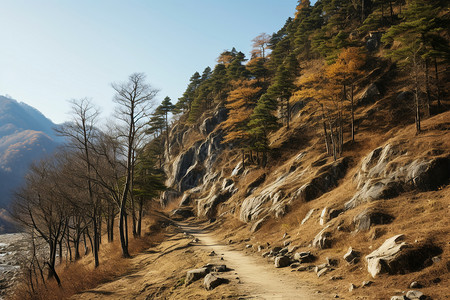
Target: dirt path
x=258 y=281
x=159 y=273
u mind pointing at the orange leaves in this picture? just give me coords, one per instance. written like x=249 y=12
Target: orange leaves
x=347 y=65
x=240 y=104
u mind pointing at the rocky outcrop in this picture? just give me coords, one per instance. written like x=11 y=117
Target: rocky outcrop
x=370 y=217
x=273 y=200
x=387 y=171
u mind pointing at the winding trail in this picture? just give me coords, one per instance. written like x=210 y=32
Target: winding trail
x=258 y=281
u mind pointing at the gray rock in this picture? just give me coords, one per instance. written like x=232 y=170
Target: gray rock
x=238 y=169
x=216 y=268
x=413 y=295
x=399 y=298
x=260 y=248
x=366 y=283
x=323 y=271
x=211 y=281
x=308 y=215
x=286 y=243
x=195 y=274
x=369 y=217
x=282 y=261
x=323 y=216
x=304 y=257
x=383 y=260
x=323 y=239
x=352 y=287
x=351 y=256
x=168 y=197
x=415 y=285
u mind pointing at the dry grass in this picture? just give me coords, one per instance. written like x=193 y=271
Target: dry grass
x=81 y=275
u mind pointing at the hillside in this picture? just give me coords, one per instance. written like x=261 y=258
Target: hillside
x=318 y=168
x=25 y=136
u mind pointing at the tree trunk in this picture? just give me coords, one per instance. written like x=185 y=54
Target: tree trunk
x=353 y=113
x=288 y=113
x=416 y=95
x=96 y=238
x=141 y=208
x=427 y=86
x=437 y=84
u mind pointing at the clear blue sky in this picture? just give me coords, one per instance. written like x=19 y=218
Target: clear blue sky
x=55 y=50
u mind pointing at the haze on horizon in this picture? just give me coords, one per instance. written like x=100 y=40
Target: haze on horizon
x=53 y=51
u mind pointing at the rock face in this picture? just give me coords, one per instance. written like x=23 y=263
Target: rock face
x=272 y=199
x=387 y=171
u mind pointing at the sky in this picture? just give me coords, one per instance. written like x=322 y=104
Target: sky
x=52 y=51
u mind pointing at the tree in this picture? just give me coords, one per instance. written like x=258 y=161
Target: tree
x=262 y=121
x=416 y=34
x=240 y=103
x=134 y=99
x=81 y=133
x=345 y=71
x=260 y=45
x=165 y=108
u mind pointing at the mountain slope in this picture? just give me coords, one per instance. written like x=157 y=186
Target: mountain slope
x=25 y=136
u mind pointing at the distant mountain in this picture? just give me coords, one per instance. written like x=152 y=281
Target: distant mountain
x=26 y=135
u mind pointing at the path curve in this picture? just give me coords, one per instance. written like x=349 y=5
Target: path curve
x=259 y=281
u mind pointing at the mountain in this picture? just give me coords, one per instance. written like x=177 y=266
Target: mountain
x=25 y=136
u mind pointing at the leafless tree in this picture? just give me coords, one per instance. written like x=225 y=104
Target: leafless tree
x=134 y=100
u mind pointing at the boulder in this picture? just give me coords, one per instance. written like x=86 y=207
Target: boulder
x=385 y=258
x=195 y=274
x=351 y=256
x=282 y=261
x=413 y=295
x=255 y=183
x=323 y=239
x=369 y=217
x=208 y=206
x=216 y=268
x=399 y=298
x=304 y=257
x=211 y=281
x=323 y=216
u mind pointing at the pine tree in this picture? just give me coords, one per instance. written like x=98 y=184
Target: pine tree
x=416 y=34
x=262 y=121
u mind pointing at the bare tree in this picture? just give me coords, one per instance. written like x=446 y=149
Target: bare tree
x=134 y=99
x=82 y=133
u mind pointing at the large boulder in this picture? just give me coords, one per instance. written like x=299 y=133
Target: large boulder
x=385 y=258
x=397 y=257
x=182 y=213
x=211 y=281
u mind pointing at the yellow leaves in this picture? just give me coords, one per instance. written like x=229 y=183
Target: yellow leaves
x=347 y=65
